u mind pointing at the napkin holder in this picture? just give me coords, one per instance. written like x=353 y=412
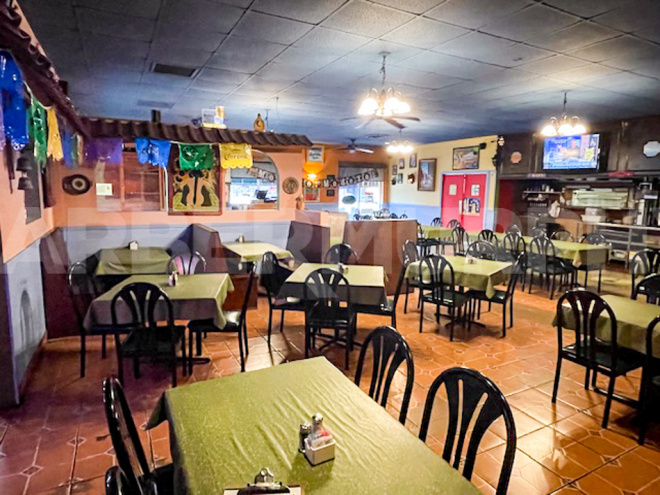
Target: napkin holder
x=241 y=238
x=133 y=245
x=470 y=260
x=321 y=454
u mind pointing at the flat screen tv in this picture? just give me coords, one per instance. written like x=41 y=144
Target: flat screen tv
x=573 y=153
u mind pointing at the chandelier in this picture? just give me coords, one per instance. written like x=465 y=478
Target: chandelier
x=383 y=103
x=564 y=125
x=395 y=148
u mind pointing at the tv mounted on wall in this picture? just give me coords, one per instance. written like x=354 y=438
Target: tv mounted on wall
x=572 y=153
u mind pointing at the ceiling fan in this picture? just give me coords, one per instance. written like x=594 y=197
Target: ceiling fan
x=387 y=105
x=353 y=148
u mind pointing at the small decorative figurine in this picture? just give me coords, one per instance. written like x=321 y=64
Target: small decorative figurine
x=259 y=124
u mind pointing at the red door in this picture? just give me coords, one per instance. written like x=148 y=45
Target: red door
x=464 y=198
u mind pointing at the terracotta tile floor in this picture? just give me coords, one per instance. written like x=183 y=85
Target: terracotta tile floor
x=57 y=442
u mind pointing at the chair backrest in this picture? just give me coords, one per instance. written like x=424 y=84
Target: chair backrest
x=341 y=253
x=390 y=349
x=186 y=264
x=125 y=440
x=393 y=215
x=650 y=287
x=272 y=275
x=410 y=252
x=514 y=229
x=453 y=224
x=539 y=232
x=516 y=273
x=83 y=290
x=562 y=235
x=356 y=216
x=399 y=284
x=142 y=300
x=541 y=252
x=460 y=239
x=595 y=239
x=643 y=263
x=651 y=352
x=466 y=390
x=326 y=289
x=441 y=275
x=514 y=243
x=403 y=215
x=252 y=276
x=585 y=308
x=436 y=222
x=488 y=236
x=483 y=250
x=117 y=484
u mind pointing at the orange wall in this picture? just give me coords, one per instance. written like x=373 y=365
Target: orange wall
x=81 y=210
x=16 y=235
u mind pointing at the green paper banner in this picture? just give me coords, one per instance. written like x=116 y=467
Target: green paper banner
x=195 y=156
x=37 y=128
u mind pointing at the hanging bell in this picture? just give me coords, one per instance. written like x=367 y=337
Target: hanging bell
x=25 y=184
x=23 y=165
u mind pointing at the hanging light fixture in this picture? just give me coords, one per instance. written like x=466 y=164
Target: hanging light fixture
x=565 y=125
x=399 y=147
x=383 y=103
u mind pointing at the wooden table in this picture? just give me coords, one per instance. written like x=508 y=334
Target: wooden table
x=223 y=431
x=436 y=232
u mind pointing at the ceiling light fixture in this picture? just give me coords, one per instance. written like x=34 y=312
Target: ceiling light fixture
x=565 y=125
x=399 y=147
x=383 y=103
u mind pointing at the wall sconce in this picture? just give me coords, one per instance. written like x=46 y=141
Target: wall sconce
x=24 y=166
x=25 y=184
x=411 y=178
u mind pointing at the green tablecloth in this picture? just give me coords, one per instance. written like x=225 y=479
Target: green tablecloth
x=124 y=261
x=252 y=252
x=367 y=282
x=198 y=296
x=436 y=232
x=483 y=275
x=223 y=431
x=632 y=319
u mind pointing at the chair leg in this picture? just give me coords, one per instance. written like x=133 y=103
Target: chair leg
x=103 y=347
x=83 y=352
x=608 y=401
x=643 y=406
x=282 y=322
x=504 y=320
x=191 y=338
x=594 y=377
x=600 y=275
x=198 y=335
x=555 y=387
x=240 y=349
x=173 y=365
x=531 y=282
x=270 y=323
x=421 y=316
x=120 y=360
x=587 y=374
x=451 y=325
x=552 y=286
x=245 y=337
x=184 y=362
x=586 y=277
x=405 y=302
x=307 y=339
x=511 y=312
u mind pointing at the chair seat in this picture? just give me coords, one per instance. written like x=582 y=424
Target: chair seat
x=289 y=304
x=339 y=317
x=498 y=297
x=450 y=298
x=386 y=309
x=590 y=267
x=208 y=326
x=109 y=329
x=627 y=360
x=134 y=345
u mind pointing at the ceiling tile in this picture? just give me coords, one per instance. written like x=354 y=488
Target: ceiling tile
x=477 y=46
x=424 y=33
x=396 y=52
x=475 y=13
x=412 y=6
x=553 y=64
x=572 y=37
x=116 y=25
x=244 y=55
x=144 y=8
x=202 y=40
x=449 y=65
x=616 y=48
x=360 y=17
x=585 y=73
x=528 y=23
x=178 y=55
x=517 y=54
x=652 y=70
x=652 y=33
x=626 y=82
x=305 y=56
x=310 y=11
x=106 y=49
x=199 y=15
x=270 y=28
x=54 y=12
x=165 y=81
x=331 y=41
x=633 y=16
x=587 y=8
x=288 y=71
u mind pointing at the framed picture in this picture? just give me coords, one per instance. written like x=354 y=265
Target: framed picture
x=330 y=193
x=312 y=194
x=413 y=160
x=426 y=174
x=394 y=170
x=399 y=179
x=194 y=192
x=402 y=163
x=315 y=154
x=465 y=158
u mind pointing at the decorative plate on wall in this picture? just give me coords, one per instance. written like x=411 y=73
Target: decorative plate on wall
x=76 y=184
x=290 y=185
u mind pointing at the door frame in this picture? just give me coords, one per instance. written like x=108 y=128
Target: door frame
x=469 y=172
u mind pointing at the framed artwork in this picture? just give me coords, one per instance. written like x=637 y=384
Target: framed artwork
x=315 y=154
x=413 y=160
x=465 y=158
x=394 y=169
x=426 y=174
x=402 y=163
x=194 y=192
x=312 y=194
x=399 y=179
x=330 y=193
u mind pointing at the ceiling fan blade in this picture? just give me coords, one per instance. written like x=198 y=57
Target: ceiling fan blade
x=416 y=119
x=344 y=149
x=364 y=150
x=394 y=123
x=363 y=124
x=350 y=118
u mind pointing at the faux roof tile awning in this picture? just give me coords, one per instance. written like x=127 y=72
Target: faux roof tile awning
x=131 y=129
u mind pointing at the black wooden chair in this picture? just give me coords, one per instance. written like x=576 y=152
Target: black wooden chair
x=327 y=296
x=441 y=291
x=341 y=253
x=650 y=388
x=488 y=236
x=513 y=229
x=425 y=244
x=460 y=240
x=588 y=349
x=393 y=216
x=462 y=409
x=133 y=475
x=502 y=297
x=594 y=239
x=515 y=244
x=186 y=264
x=539 y=232
x=236 y=323
x=649 y=286
x=390 y=349
x=273 y=276
x=410 y=254
x=388 y=307
x=482 y=250
x=148 y=305
x=643 y=263
x=453 y=224
x=542 y=259
x=115 y=482
x=562 y=235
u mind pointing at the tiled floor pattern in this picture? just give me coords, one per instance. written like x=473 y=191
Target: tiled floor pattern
x=57 y=442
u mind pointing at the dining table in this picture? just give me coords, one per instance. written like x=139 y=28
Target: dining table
x=125 y=261
x=478 y=274
x=195 y=296
x=436 y=232
x=367 y=283
x=253 y=251
x=224 y=431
